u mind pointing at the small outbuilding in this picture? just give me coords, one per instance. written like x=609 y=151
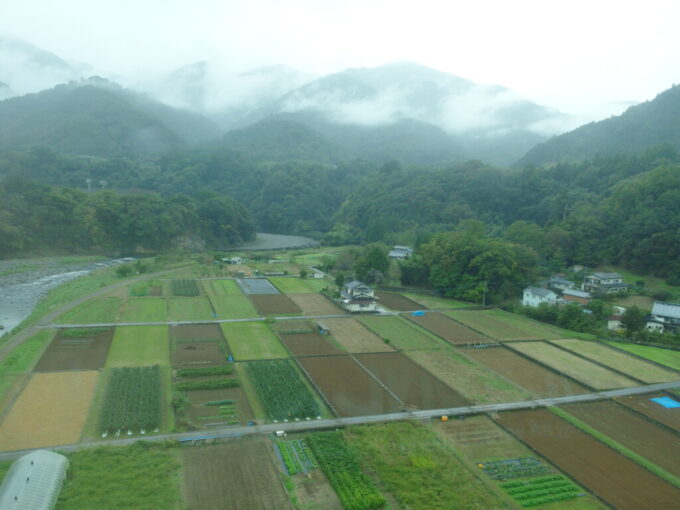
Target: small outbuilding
x=34 y=481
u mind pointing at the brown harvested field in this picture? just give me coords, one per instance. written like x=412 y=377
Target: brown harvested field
x=200 y=414
x=633 y=431
x=196 y=332
x=415 y=387
x=643 y=404
x=268 y=304
x=314 y=491
x=397 y=302
x=50 y=411
x=235 y=475
x=76 y=353
x=584 y=371
x=449 y=330
x=618 y=360
x=314 y=304
x=355 y=337
x=309 y=344
x=347 y=386
x=537 y=380
x=187 y=354
x=616 y=479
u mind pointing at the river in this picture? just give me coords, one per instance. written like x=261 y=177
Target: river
x=23 y=282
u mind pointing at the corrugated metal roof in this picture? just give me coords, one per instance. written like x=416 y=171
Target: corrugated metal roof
x=666 y=309
x=607 y=276
x=33 y=482
x=577 y=293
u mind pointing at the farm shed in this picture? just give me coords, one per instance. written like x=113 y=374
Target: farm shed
x=33 y=481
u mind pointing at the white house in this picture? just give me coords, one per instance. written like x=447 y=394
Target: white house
x=664 y=317
x=534 y=296
x=614 y=323
x=400 y=252
x=358 y=297
x=604 y=283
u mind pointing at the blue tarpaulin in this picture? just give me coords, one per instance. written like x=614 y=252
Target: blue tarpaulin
x=667 y=402
x=417 y=314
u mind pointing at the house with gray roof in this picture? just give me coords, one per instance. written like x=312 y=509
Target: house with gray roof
x=356 y=296
x=534 y=296
x=665 y=317
x=604 y=283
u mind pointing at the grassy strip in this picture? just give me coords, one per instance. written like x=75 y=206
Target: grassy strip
x=211 y=384
x=144 y=475
x=616 y=446
x=82 y=332
x=22 y=357
x=205 y=371
x=136 y=346
x=94 y=311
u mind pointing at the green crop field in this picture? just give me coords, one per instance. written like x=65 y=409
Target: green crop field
x=401 y=334
x=138 y=346
x=419 y=469
x=221 y=287
x=435 y=302
x=252 y=341
x=666 y=357
x=641 y=370
x=507 y=326
x=95 y=311
x=282 y=391
x=132 y=401
x=233 y=307
x=289 y=285
x=144 y=310
x=144 y=475
x=189 y=309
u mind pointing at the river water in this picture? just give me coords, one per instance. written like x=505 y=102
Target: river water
x=23 y=282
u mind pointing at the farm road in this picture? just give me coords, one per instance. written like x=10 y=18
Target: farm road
x=300 y=426
x=213 y=321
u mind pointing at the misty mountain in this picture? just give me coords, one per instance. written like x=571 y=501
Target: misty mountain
x=418 y=115
x=638 y=128
x=226 y=96
x=25 y=68
x=99 y=118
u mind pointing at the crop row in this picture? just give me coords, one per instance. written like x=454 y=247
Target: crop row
x=133 y=400
x=209 y=384
x=296 y=456
x=185 y=288
x=82 y=332
x=219 y=402
x=515 y=468
x=542 y=490
x=355 y=490
x=206 y=371
x=284 y=394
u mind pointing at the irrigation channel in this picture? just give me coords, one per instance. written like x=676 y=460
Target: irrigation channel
x=304 y=425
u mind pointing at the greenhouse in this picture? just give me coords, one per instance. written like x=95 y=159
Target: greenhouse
x=33 y=482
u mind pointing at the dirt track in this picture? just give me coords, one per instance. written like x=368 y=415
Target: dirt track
x=618 y=480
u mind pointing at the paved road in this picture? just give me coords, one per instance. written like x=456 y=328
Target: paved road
x=305 y=425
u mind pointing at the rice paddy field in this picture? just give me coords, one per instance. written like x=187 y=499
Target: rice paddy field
x=584 y=371
x=138 y=346
x=505 y=326
x=602 y=353
x=400 y=333
x=666 y=357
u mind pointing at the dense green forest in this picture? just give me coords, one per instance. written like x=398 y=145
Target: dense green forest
x=618 y=210
x=38 y=219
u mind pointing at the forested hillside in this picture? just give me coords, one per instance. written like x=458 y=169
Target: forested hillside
x=98 y=118
x=638 y=128
x=40 y=219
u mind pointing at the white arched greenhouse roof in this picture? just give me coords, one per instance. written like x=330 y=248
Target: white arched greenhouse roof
x=33 y=481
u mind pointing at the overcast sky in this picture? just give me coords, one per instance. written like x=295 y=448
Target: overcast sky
x=578 y=56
